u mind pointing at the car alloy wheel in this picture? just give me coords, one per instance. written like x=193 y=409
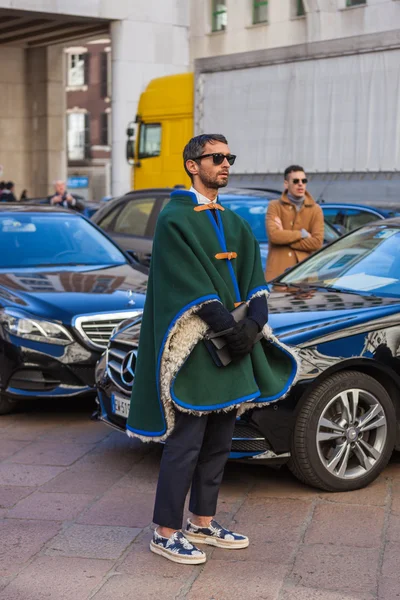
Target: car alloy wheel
x=344 y=433
x=352 y=433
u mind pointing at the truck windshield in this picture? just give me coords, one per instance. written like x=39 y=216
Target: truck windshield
x=149 y=140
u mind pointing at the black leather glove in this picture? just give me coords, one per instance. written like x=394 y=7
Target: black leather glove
x=240 y=341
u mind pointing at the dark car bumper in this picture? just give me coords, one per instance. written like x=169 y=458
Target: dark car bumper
x=31 y=369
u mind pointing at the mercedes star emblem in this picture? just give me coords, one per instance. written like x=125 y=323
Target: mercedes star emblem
x=128 y=368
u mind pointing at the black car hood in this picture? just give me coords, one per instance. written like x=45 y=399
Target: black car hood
x=299 y=316
x=64 y=292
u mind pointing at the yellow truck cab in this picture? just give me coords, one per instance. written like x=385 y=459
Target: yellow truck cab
x=164 y=126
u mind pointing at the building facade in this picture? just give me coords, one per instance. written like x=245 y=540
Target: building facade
x=221 y=27
x=88 y=119
x=311 y=82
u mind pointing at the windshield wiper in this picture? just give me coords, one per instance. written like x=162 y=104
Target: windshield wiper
x=287 y=285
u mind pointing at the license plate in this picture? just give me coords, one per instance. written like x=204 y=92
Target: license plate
x=120 y=406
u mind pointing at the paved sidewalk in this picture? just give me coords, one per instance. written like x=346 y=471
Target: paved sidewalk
x=76 y=502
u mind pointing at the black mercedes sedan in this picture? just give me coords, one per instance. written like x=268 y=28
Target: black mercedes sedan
x=340 y=311
x=64 y=286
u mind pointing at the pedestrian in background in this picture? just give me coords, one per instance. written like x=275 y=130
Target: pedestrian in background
x=7 y=193
x=205 y=261
x=294 y=223
x=63 y=198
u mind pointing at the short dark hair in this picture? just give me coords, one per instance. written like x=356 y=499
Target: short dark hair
x=195 y=146
x=9 y=185
x=293 y=169
x=2 y=185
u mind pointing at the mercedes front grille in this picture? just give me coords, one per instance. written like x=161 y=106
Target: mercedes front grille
x=121 y=357
x=96 y=329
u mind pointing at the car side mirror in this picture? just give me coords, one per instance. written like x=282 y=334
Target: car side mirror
x=130 y=151
x=130 y=144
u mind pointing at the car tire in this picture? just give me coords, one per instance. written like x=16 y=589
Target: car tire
x=6 y=405
x=344 y=433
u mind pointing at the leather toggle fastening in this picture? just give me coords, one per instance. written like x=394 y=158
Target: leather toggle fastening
x=210 y=206
x=226 y=255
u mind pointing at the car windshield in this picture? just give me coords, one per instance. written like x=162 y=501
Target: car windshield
x=40 y=239
x=366 y=261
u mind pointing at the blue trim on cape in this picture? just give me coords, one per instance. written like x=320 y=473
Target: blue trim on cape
x=213 y=406
x=290 y=379
x=257 y=399
x=219 y=230
x=230 y=267
x=145 y=432
x=257 y=289
x=174 y=320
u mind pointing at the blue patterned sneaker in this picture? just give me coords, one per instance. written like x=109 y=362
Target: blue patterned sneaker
x=177 y=548
x=215 y=535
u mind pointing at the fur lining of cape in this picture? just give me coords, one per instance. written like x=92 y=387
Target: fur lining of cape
x=188 y=331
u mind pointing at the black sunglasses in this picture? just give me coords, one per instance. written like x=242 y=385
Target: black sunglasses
x=296 y=181
x=218 y=158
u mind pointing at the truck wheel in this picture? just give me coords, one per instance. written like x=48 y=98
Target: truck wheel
x=344 y=433
x=6 y=405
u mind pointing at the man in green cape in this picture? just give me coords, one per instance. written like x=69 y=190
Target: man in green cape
x=205 y=262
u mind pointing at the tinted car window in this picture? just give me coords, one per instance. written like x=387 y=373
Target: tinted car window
x=34 y=239
x=330 y=233
x=106 y=223
x=253 y=212
x=358 y=218
x=348 y=218
x=330 y=214
x=134 y=217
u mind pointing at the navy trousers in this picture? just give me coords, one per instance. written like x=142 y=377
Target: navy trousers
x=194 y=455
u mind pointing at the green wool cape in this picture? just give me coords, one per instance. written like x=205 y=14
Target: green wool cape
x=174 y=368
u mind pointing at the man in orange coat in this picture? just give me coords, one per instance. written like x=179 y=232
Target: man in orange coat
x=295 y=224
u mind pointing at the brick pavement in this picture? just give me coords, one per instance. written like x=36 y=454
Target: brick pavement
x=75 y=523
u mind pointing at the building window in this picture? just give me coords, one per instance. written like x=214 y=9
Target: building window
x=105 y=74
x=105 y=128
x=78 y=136
x=300 y=10
x=260 y=11
x=219 y=15
x=78 y=65
x=355 y=2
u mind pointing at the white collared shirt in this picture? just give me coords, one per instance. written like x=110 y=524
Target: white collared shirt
x=200 y=198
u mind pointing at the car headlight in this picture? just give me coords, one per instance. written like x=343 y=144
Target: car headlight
x=37 y=330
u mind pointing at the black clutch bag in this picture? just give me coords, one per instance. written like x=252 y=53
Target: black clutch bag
x=215 y=342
